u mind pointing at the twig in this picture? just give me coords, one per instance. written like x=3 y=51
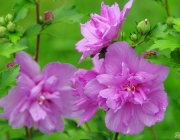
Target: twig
x=167 y=8
x=88 y=128
x=152 y=133
x=116 y=136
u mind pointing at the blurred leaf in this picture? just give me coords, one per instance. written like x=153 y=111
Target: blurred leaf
x=7 y=78
x=170 y=42
x=176 y=21
x=21 y=9
x=33 y=30
x=8 y=48
x=175 y=55
x=163 y=60
x=67 y=15
x=97 y=136
x=14 y=37
x=158 y=31
x=54 y=0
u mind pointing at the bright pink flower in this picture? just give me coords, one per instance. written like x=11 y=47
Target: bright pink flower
x=81 y=82
x=101 y=29
x=40 y=100
x=130 y=88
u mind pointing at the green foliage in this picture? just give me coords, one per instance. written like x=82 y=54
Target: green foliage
x=176 y=25
x=7 y=79
x=70 y=15
x=164 y=60
x=14 y=36
x=158 y=31
x=21 y=8
x=9 y=48
x=33 y=30
x=169 y=42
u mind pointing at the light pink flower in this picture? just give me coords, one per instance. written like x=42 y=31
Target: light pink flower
x=40 y=100
x=131 y=88
x=101 y=29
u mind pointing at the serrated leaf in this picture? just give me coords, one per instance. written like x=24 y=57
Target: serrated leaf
x=170 y=42
x=158 y=31
x=175 y=55
x=33 y=30
x=14 y=37
x=176 y=21
x=70 y=15
x=9 y=48
x=164 y=60
x=21 y=9
x=7 y=78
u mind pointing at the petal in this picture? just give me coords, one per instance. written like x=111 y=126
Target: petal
x=63 y=72
x=98 y=64
x=119 y=121
x=27 y=65
x=106 y=79
x=93 y=88
x=126 y=8
x=37 y=112
x=116 y=54
x=88 y=114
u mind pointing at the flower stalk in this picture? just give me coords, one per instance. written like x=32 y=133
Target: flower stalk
x=116 y=136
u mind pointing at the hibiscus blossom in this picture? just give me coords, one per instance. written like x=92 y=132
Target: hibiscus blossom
x=131 y=88
x=40 y=100
x=101 y=29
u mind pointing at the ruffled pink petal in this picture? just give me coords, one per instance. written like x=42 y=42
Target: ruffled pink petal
x=93 y=88
x=88 y=114
x=116 y=54
x=63 y=72
x=98 y=64
x=119 y=121
x=126 y=8
x=37 y=112
x=27 y=65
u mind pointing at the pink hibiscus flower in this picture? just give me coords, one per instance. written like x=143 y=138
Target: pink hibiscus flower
x=102 y=29
x=40 y=100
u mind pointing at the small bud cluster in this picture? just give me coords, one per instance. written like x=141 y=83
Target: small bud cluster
x=143 y=29
x=7 y=25
x=47 y=18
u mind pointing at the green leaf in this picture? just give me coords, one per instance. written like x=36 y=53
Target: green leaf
x=170 y=42
x=21 y=9
x=175 y=55
x=7 y=78
x=14 y=37
x=33 y=30
x=158 y=31
x=164 y=60
x=9 y=48
x=176 y=21
x=70 y=15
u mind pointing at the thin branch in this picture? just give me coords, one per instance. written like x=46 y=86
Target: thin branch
x=88 y=128
x=152 y=133
x=116 y=136
x=38 y=36
x=7 y=135
x=167 y=8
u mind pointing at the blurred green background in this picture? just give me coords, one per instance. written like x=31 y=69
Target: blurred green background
x=62 y=48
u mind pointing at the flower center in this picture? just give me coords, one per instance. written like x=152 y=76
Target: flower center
x=130 y=88
x=41 y=99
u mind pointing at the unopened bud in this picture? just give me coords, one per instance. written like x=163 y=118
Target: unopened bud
x=2 y=21
x=149 y=54
x=11 y=27
x=19 y=29
x=4 y=40
x=169 y=21
x=8 y=18
x=10 y=64
x=48 y=17
x=133 y=37
x=143 y=27
x=2 y=31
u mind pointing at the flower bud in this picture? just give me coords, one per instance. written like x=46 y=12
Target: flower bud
x=10 y=64
x=11 y=27
x=2 y=31
x=8 y=18
x=48 y=17
x=2 y=21
x=133 y=37
x=4 y=40
x=169 y=21
x=143 y=27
